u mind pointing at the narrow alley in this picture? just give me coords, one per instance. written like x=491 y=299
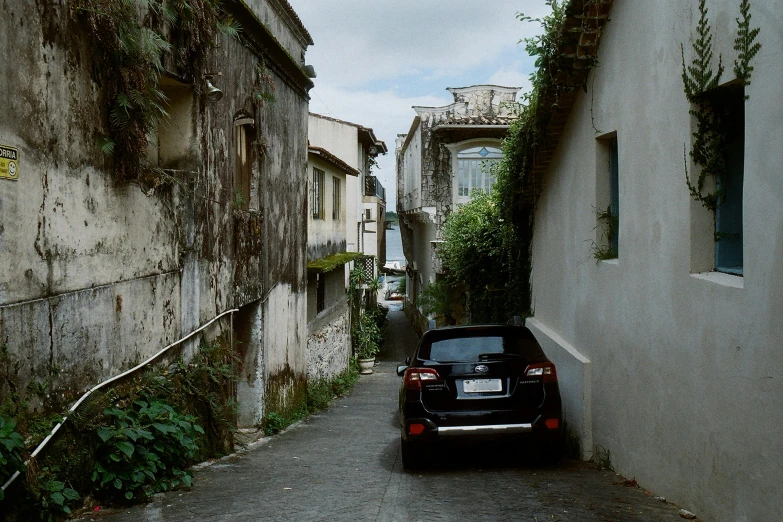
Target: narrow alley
x=344 y=464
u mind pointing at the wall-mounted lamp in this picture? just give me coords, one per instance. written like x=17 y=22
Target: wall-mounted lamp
x=212 y=93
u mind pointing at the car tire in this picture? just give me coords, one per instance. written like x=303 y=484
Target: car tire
x=413 y=454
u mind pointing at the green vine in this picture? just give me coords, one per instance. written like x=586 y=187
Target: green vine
x=745 y=44
x=609 y=223
x=701 y=86
x=264 y=90
x=131 y=41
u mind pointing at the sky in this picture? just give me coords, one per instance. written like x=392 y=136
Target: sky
x=376 y=60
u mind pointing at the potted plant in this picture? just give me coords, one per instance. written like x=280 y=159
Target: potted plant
x=366 y=336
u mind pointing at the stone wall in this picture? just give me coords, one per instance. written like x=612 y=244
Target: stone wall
x=329 y=344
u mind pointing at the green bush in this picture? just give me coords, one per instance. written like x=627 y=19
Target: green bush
x=366 y=335
x=143 y=450
x=11 y=445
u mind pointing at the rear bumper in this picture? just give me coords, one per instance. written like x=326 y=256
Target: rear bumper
x=431 y=431
x=487 y=429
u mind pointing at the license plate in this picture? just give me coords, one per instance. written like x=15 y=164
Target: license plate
x=481 y=385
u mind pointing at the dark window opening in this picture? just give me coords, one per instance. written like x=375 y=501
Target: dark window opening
x=614 y=203
x=245 y=136
x=318 y=194
x=729 y=106
x=336 y=198
x=320 y=293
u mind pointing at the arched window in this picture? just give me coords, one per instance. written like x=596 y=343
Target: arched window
x=474 y=169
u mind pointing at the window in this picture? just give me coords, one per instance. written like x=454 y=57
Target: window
x=474 y=169
x=614 y=197
x=336 y=198
x=317 y=199
x=243 y=173
x=320 y=293
x=607 y=199
x=367 y=214
x=729 y=105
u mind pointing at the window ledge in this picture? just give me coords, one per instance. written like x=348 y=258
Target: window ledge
x=720 y=278
x=615 y=262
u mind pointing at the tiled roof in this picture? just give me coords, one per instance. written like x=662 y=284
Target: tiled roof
x=334 y=160
x=481 y=119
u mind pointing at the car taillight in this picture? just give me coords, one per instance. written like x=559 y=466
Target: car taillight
x=545 y=370
x=414 y=377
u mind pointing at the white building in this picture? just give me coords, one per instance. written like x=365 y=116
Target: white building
x=669 y=352
x=446 y=154
x=328 y=314
x=365 y=200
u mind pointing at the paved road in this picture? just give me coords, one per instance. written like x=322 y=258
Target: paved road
x=344 y=464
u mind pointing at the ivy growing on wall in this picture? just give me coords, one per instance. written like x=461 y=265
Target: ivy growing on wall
x=700 y=84
x=131 y=38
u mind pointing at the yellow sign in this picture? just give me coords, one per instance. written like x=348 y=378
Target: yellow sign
x=9 y=163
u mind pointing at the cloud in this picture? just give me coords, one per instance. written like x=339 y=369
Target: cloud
x=357 y=42
x=375 y=60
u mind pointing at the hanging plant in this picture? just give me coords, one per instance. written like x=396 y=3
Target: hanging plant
x=130 y=59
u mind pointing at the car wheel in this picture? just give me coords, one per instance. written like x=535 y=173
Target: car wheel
x=413 y=454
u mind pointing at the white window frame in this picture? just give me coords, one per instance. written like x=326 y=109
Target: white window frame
x=455 y=149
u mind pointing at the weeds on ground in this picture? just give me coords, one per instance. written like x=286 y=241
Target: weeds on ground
x=319 y=396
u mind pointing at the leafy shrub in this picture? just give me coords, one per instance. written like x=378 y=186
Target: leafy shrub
x=366 y=335
x=54 y=495
x=144 y=450
x=11 y=444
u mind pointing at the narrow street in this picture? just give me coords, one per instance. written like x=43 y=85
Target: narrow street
x=344 y=464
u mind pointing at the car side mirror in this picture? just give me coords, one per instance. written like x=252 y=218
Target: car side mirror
x=401 y=369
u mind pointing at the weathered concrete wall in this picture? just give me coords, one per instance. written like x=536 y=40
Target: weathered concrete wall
x=284 y=25
x=285 y=349
x=685 y=394
x=100 y=273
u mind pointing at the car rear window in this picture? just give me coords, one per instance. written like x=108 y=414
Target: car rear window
x=474 y=348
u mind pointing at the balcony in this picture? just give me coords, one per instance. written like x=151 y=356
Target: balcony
x=373 y=187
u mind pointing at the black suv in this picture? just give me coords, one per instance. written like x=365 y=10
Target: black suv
x=473 y=382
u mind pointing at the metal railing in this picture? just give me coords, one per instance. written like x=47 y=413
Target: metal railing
x=104 y=383
x=373 y=187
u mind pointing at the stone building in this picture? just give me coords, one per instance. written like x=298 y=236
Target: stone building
x=102 y=271
x=446 y=154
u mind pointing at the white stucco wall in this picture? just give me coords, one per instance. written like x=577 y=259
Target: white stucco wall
x=411 y=164
x=327 y=233
x=685 y=388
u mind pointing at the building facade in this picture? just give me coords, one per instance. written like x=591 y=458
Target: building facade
x=328 y=313
x=666 y=328
x=447 y=153
x=358 y=147
x=102 y=271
